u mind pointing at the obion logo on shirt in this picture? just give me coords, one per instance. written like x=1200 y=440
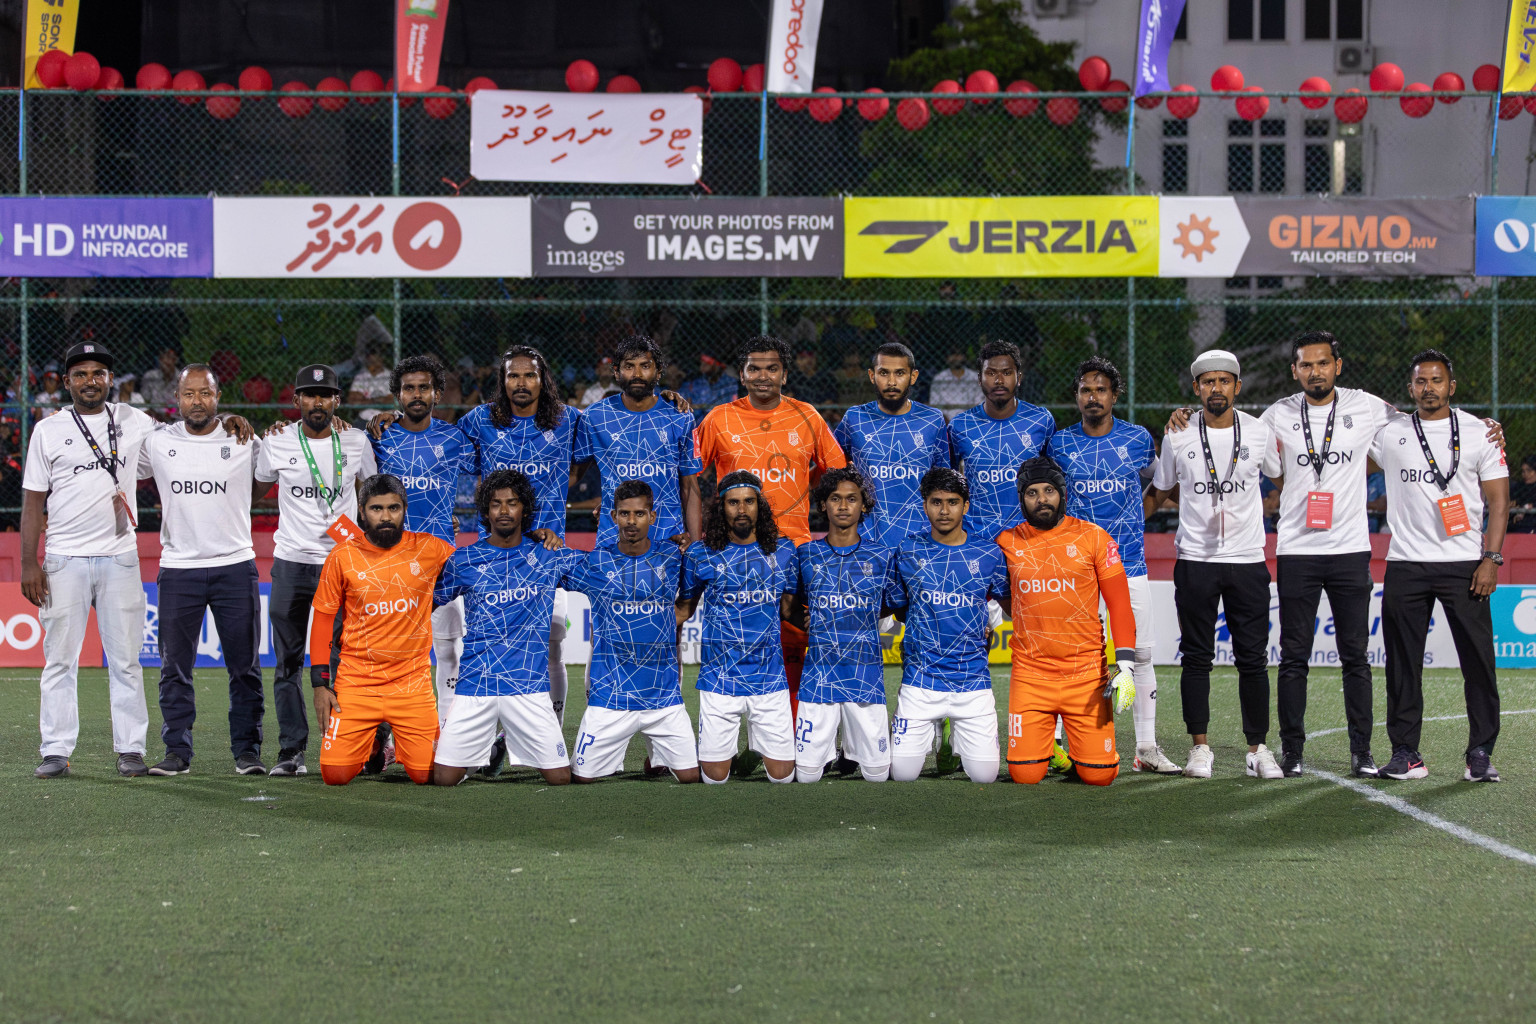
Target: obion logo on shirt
x=1506 y=236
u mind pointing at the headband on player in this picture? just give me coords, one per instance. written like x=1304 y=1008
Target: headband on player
x=750 y=487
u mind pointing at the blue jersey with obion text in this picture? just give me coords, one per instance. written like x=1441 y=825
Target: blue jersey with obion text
x=945 y=590
x=1104 y=483
x=543 y=456
x=893 y=453
x=428 y=462
x=508 y=594
x=991 y=451
x=634 y=627
x=655 y=446
x=740 y=655
x=843 y=589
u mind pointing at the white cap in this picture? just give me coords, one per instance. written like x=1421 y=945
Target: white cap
x=1214 y=359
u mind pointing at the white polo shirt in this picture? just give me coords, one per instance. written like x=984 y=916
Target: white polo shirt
x=205 y=496
x=304 y=512
x=82 y=520
x=1224 y=523
x=1413 y=496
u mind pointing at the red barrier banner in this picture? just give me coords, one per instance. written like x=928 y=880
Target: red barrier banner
x=419 y=26
x=21 y=634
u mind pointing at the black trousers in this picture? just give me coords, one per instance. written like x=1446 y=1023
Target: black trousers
x=1241 y=590
x=1407 y=601
x=233 y=594
x=1301 y=580
x=293 y=591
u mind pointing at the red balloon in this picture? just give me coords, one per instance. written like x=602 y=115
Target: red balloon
x=50 y=68
x=82 y=71
x=1486 y=78
x=111 y=81
x=1449 y=81
x=724 y=75
x=1253 y=104
x=1510 y=106
x=1226 y=79
x=1183 y=107
x=1115 y=104
x=406 y=98
x=153 y=76
x=1149 y=101
x=581 y=76
x=703 y=95
x=1093 y=73
x=1351 y=106
x=1416 y=106
x=1316 y=84
x=948 y=107
x=912 y=114
x=223 y=107
x=826 y=110
x=295 y=106
x=981 y=81
x=793 y=104
x=1386 y=78
x=752 y=78
x=474 y=85
x=1021 y=108
x=189 y=81
x=332 y=84
x=1062 y=110
x=440 y=108
x=1530 y=102
x=367 y=81
x=874 y=110
x=255 y=79
x=623 y=83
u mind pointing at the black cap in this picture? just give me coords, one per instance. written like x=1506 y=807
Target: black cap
x=316 y=377
x=85 y=350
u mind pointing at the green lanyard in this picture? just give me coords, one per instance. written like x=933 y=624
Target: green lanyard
x=314 y=470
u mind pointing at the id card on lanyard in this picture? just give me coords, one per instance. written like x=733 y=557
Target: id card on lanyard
x=342 y=523
x=1319 y=503
x=1219 y=487
x=1453 y=507
x=122 y=508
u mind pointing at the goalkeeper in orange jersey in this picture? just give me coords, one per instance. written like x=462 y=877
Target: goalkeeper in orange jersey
x=1058 y=568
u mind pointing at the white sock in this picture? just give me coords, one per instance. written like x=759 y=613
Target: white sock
x=879 y=774
x=1058 y=728
x=1144 y=707
x=788 y=778
x=808 y=774
x=558 y=682
x=448 y=653
x=979 y=770
x=714 y=782
x=906 y=769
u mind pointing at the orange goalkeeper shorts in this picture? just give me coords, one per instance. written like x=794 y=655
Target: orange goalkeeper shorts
x=1090 y=732
x=410 y=708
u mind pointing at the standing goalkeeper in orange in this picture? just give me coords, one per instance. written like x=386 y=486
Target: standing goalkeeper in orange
x=1058 y=568
x=381 y=585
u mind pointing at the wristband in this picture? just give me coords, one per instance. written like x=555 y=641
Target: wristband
x=1125 y=656
x=320 y=675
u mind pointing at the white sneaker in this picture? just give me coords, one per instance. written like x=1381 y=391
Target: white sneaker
x=1200 y=760
x=1261 y=764
x=1151 y=758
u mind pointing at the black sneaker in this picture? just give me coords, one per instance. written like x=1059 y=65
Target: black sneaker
x=171 y=765
x=1405 y=764
x=1363 y=765
x=54 y=766
x=131 y=766
x=249 y=764
x=1479 y=767
x=498 y=760
x=380 y=758
x=291 y=764
x=1290 y=763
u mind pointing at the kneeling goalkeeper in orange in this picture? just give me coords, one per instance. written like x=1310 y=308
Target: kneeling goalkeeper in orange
x=1058 y=568
x=381 y=584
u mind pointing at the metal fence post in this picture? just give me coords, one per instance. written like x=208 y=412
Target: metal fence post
x=21 y=189
x=1494 y=349
x=395 y=188
x=762 y=190
x=1130 y=282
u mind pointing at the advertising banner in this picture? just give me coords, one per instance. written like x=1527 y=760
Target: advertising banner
x=767 y=237
x=1034 y=236
x=1199 y=236
x=1366 y=237
x=419 y=29
x=359 y=236
x=600 y=138
x=792 y=37
x=1519 y=72
x=100 y=236
x=1506 y=236
x=50 y=25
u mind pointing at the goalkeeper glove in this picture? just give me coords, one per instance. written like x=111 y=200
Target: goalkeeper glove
x=1121 y=690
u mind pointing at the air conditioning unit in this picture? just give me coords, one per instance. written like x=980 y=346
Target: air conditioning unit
x=1352 y=58
x=1050 y=8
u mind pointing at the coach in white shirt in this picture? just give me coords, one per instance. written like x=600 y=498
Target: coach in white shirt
x=1215 y=466
x=80 y=468
x=1441 y=473
x=204 y=476
x=316 y=468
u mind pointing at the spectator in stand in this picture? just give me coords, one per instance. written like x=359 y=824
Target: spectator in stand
x=712 y=387
x=158 y=384
x=48 y=397
x=604 y=385
x=853 y=383
x=954 y=389
x=672 y=377
x=809 y=383
x=371 y=333
x=1522 y=498
x=127 y=391
x=945 y=327
x=371 y=385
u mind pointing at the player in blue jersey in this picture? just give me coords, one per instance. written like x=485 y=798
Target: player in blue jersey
x=508 y=583
x=1103 y=458
x=745 y=574
x=634 y=684
x=942 y=584
x=991 y=439
x=892 y=442
x=843 y=579
x=635 y=435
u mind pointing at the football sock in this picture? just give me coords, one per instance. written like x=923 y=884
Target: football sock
x=879 y=774
x=906 y=769
x=978 y=769
x=713 y=782
x=808 y=774
x=447 y=653
x=788 y=778
x=1144 y=707
x=557 y=678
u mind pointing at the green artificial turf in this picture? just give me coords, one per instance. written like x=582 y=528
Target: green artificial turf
x=191 y=900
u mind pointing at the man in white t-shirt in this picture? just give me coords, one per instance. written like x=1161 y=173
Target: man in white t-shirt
x=954 y=389
x=1216 y=465
x=207 y=564
x=371 y=385
x=316 y=468
x=1441 y=473
x=604 y=385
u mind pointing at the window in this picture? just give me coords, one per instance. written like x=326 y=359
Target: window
x=1332 y=164
x=1271 y=19
x=1181 y=30
x=1317 y=19
x=1239 y=19
x=1351 y=20
x=1239 y=156
x=1256 y=167
x=1175 y=156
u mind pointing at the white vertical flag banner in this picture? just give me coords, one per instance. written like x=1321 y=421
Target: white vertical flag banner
x=792 y=44
x=602 y=138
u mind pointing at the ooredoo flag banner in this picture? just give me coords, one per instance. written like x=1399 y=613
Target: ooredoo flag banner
x=792 y=45
x=363 y=236
x=600 y=138
x=419 y=29
x=1520 y=47
x=50 y=25
x=1159 y=20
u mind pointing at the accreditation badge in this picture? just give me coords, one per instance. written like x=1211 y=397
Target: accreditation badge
x=342 y=529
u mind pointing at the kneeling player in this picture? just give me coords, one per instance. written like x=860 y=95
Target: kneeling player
x=508 y=584
x=634 y=683
x=843 y=580
x=745 y=573
x=1058 y=567
x=381 y=584
x=944 y=580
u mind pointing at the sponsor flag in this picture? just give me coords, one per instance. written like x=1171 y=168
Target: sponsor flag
x=419 y=29
x=792 y=45
x=50 y=25
x=1159 y=20
x=1520 y=47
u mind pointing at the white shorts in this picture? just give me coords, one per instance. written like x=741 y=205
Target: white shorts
x=448 y=621
x=605 y=734
x=866 y=734
x=769 y=730
x=972 y=717
x=528 y=722
x=558 y=611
